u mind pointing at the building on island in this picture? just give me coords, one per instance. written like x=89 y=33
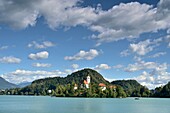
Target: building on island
x=88 y=79
x=102 y=86
x=75 y=86
x=87 y=82
x=113 y=87
x=49 y=91
x=84 y=84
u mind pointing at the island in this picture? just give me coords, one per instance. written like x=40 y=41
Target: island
x=87 y=83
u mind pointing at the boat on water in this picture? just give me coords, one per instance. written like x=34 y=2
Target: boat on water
x=137 y=98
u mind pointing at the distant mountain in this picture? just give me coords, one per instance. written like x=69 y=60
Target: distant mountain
x=5 y=84
x=23 y=84
x=132 y=87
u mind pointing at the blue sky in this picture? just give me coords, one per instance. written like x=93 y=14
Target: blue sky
x=123 y=39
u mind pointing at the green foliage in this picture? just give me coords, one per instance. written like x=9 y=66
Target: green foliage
x=132 y=88
x=163 y=91
x=64 y=87
x=120 y=92
x=157 y=92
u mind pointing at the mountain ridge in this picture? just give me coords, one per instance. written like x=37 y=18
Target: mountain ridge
x=4 y=84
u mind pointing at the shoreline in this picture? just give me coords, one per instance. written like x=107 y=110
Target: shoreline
x=83 y=97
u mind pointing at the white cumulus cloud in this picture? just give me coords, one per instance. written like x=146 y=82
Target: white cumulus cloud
x=119 y=22
x=125 y=53
x=144 y=47
x=42 y=45
x=167 y=38
x=156 y=77
x=3 y=47
x=10 y=60
x=157 y=54
x=19 y=75
x=153 y=74
x=75 y=66
x=102 y=67
x=147 y=80
x=123 y=21
x=87 y=55
x=19 y=14
x=141 y=65
x=118 y=66
x=40 y=55
x=41 y=65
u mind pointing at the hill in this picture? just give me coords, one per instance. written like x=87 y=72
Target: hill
x=5 y=84
x=132 y=87
x=163 y=91
x=76 y=78
x=83 y=83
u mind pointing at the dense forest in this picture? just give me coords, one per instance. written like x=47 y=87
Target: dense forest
x=163 y=92
x=132 y=88
x=88 y=83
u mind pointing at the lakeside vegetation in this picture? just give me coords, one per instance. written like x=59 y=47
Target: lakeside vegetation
x=75 y=85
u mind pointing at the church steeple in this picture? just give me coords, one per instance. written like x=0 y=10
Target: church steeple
x=88 y=79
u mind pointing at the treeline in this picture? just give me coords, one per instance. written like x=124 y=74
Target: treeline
x=123 y=90
x=58 y=90
x=132 y=88
x=69 y=91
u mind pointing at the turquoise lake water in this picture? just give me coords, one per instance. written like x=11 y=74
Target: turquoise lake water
x=40 y=104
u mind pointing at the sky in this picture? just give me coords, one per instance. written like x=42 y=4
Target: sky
x=121 y=39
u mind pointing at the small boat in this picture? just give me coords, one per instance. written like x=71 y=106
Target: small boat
x=137 y=98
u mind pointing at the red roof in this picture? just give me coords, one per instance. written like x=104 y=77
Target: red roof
x=102 y=85
x=114 y=87
x=85 y=82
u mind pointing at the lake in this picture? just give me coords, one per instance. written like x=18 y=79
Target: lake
x=45 y=104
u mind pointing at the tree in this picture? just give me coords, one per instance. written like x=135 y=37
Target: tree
x=120 y=92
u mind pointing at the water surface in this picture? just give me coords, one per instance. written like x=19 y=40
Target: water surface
x=45 y=104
